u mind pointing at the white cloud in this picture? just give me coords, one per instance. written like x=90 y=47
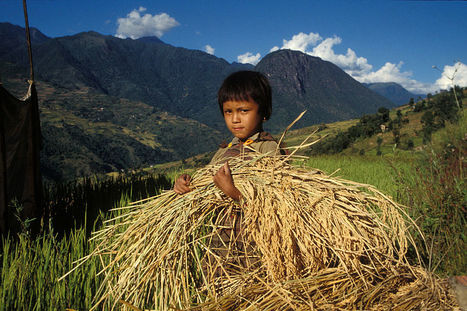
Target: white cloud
x=249 y=58
x=273 y=49
x=209 y=49
x=359 y=68
x=390 y=72
x=308 y=43
x=350 y=62
x=456 y=73
x=301 y=41
x=135 y=25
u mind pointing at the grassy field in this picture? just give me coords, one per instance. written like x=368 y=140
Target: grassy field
x=31 y=267
x=380 y=172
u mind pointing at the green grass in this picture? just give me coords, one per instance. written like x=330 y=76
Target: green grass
x=295 y=137
x=30 y=269
x=380 y=172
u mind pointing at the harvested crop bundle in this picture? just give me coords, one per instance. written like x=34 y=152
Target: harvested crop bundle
x=298 y=240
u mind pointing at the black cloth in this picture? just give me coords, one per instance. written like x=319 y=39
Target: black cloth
x=20 y=139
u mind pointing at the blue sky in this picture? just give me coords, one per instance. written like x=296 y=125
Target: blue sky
x=374 y=41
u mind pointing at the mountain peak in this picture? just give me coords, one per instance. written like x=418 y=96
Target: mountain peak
x=18 y=31
x=303 y=82
x=150 y=39
x=393 y=91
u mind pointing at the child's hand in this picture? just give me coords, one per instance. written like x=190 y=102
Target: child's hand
x=182 y=184
x=224 y=181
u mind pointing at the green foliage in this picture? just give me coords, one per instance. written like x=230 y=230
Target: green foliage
x=419 y=106
x=376 y=171
x=439 y=110
x=71 y=204
x=437 y=196
x=397 y=136
x=379 y=141
x=91 y=133
x=367 y=126
x=30 y=267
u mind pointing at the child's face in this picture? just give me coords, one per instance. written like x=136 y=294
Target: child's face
x=242 y=118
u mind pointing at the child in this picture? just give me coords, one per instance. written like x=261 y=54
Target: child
x=245 y=102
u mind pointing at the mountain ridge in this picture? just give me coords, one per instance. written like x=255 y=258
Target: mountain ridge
x=80 y=74
x=393 y=91
x=318 y=86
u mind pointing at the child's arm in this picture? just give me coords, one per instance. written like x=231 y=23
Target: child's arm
x=182 y=184
x=224 y=181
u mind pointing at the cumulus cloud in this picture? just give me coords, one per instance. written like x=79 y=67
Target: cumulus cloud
x=273 y=49
x=349 y=62
x=136 y=24
x=249 y=58
x=301 y=41
x=390 y=72
x=456 y=74
x=358 y=66
x=209 y=49
x=313 y=44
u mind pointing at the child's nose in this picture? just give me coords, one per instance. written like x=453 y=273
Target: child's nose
x=235 y=118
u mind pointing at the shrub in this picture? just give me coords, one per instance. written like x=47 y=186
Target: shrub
x=437 y=195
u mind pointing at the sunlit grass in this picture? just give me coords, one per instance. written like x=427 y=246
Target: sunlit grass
x=377 y=171
x=30 y=269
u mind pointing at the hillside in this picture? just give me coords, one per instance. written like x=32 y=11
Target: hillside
x=86 y=132
x=404 y=129
x=110 y=104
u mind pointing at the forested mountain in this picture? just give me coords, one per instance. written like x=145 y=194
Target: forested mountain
x=108 y=103
x=393 y=91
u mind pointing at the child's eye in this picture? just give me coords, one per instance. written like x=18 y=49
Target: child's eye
x=227 y=111
x=245 y=110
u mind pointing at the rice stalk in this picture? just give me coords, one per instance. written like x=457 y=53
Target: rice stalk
x=298 y=240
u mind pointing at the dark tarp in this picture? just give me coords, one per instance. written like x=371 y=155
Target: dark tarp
x=20 y=178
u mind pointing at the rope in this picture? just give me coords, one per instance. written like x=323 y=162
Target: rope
x=28 y=37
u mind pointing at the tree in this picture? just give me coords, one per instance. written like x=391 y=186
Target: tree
x=428 y=125
x=399 y=115
x=384 y=114
x=379 y=141
x=419 y=106
x=397 y=136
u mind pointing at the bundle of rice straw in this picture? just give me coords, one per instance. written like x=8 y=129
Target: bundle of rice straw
x=298 y=240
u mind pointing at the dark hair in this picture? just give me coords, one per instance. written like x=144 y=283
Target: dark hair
x=247 y=86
